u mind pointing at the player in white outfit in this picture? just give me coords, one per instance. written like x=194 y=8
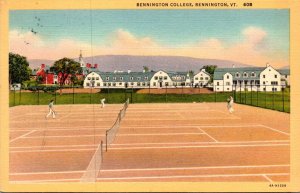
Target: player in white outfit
x=51 y=111
x=230 y=104
x=102 y=102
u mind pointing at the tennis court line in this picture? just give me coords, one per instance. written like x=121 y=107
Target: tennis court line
x=22 y=136
x=265 y=176
x=102 y=135
x=156 y=147
x=157 y=169
x=138 y=126
x=202 y=131
x=160 y=177
x=135 y=144
x=192 y=176
x=282 y=132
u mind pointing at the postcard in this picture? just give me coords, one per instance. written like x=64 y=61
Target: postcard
x=149 y=96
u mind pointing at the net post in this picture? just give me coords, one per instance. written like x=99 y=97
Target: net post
x=101 y=151
x=282 y=99
x=106 y=143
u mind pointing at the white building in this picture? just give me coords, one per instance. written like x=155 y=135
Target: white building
x=247 y=79
x=118 y=79
x=201 y=79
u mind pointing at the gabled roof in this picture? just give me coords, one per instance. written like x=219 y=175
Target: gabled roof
x=137 y=76
x=219 y=73
x=284 y=71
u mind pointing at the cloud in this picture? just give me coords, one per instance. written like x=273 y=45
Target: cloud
x=252 y=47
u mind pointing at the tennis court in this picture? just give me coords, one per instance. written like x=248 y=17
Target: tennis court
x=154 y=142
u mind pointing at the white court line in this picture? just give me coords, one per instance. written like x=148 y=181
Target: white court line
x=135 y=144
x=22 y=136
x=156 y=169
x=100 y=135
x=155 y=147
x=158 y=177
x=190 y=176
x=142 y=127
x=208 y=135
x=265 y=176
x=282 y=132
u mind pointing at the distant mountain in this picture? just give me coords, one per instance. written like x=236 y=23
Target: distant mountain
x=136 y=63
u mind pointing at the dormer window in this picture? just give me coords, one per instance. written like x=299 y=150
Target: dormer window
x=237 y=75
x=131 y=78
x=121 y=78
x=107 y=78
x=114 y=78
x=253 y=74
x=146 y=78
x=245 y=74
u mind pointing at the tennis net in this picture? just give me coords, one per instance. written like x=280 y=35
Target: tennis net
x=112 y=132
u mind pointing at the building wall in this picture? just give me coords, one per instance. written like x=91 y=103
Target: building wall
x=93 y=77
x=201 y=79
x=270 y=80
x=160 y=79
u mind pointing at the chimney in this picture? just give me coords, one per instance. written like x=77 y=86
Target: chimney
x=128 y=71
x=115 y=71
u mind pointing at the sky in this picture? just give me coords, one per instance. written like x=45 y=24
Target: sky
x=253 y=37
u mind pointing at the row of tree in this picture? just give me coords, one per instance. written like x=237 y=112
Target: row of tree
x=19 y=70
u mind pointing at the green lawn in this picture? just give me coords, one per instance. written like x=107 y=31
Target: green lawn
x=278 y=100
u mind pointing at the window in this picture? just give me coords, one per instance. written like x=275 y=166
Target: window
x=206 y=78
x=131 y=78
x=121 y=78
x=274 y=83
x=104 y=84
x=97 y=78
x=114 y=78
x=155 y=78
x=138 y=78
x=144 y=84
x=107 y=78
x=245 y=74
x=227 y=88
x=237 y=75
x=264 y=76
x=98 y=83
x=275 y=75
x=89 y=78
x=264 y=82
x=227 y=76
x=227 y=83
x=201 y=78
x=93 y=78
x=132 y=83
x=120 y=83
x=154 y=83
x=234 y=82
x=146 y=78
x=165 y=77
x=109 y=84
x=257 y=82
x=218 y=83
x=196 y=78
x=87 y=84
x=166 y=84
x=138 y=84
x=286 y=76
x=114 y=84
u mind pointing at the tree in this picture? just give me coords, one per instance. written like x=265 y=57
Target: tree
x=66 y=67
x=19 y=70
x=146 y=69
x=210 y=69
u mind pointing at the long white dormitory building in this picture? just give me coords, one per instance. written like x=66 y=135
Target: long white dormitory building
x=224 y=79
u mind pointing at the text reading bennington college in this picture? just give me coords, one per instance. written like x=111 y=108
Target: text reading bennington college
x=182 y=4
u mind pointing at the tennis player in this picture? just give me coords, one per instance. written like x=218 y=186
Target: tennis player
x=51 y=109
x=102 y=102
x=230 y=104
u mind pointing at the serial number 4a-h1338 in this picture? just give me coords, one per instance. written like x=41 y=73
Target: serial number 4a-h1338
x=247 y=4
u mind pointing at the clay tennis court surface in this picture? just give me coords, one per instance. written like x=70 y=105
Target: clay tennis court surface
x=198 y=142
